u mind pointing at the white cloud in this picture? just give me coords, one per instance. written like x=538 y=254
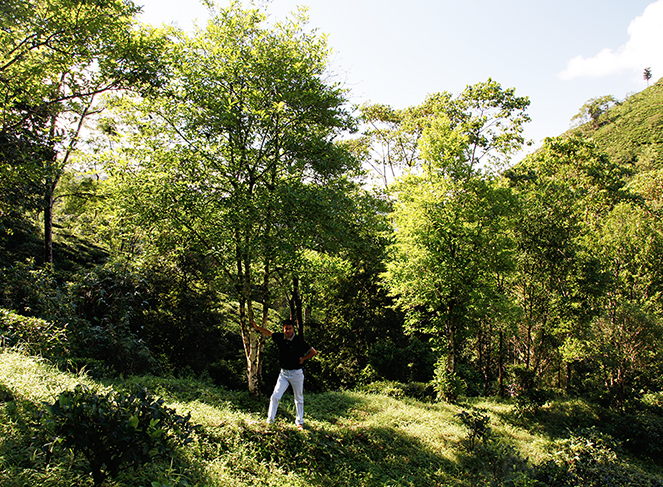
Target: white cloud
x=643 y=49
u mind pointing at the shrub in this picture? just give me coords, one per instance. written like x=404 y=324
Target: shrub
x=641 y=432
x=589 y=459
x=528 y=397
x=448 y=385
x=494 y=462
x=107 y=298
x=478 y=426
x=402 y=360
x=111 y=350
x=116 y=431
x=34 y=292
x=36 y=336
x=501 y=465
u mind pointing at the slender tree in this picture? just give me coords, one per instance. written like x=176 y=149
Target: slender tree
x=449 y=211
x=565 y=189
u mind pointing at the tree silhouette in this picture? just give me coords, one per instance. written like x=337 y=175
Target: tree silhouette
x=647 y=75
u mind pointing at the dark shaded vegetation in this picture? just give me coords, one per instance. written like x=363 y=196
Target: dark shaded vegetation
x=114 y=431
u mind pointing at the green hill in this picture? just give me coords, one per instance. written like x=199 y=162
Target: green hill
x=631 y=131
x=354 y=438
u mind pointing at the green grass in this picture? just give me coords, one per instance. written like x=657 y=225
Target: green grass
x=351 y=438
x=631 y=132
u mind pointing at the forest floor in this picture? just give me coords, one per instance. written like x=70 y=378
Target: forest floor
x=351 y=438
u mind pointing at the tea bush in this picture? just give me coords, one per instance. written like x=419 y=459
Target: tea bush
x=528 y=397
x=589 y=459
x=34 y=335
x=115 y=431
x=449 y=386
x=641 y=432
x=33 y=291
x=478 y=426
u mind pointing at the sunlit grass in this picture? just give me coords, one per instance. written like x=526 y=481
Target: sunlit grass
x=34 y=379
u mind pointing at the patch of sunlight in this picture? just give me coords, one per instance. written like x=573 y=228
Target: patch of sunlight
x=34 y=379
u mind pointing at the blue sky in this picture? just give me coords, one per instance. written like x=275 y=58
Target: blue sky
x=560 y=53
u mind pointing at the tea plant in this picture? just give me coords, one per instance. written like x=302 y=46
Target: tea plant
x=478 y=426
x=116 y=431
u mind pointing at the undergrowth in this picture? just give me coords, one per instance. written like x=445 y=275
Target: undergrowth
x=353 y=438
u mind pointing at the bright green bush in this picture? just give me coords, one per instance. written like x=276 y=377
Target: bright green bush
x=36 y=336
x=116 y=431
x=449 y=386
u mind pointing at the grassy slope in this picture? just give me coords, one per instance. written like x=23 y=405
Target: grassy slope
x=351 y=438
x=632 y=132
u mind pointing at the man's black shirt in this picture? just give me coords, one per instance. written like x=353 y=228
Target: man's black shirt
x=290 y=351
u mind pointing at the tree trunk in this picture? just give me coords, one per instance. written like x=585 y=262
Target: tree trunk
x=500 y=363
x=252 y=342
x=488 y=359
x=451 y=356
x=49 y=202
x=48 y=225
x=253 y=369
x=296 y=306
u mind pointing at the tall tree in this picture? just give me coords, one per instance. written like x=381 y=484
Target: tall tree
x=477 y=130
x=565 y=189
x=240 y=160
x=57 y=57
x=627 y=336
x=593 y=109
x=449 y=211
x=626 y=342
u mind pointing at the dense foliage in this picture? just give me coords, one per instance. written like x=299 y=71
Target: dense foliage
x=115 y=431
x=192 y=183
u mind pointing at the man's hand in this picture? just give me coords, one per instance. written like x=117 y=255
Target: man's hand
x=310 y=354
x=264 y=331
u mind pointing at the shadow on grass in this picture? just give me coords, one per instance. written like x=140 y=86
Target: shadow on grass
x=31 y=453
x=335 y=448
x=361 y=456
x=555 y=419
x=330 y=406
x=24 y=456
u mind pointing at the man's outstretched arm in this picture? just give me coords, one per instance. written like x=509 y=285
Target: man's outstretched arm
x=262 y=330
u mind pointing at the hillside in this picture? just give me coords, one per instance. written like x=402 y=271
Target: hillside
x=354 y=438
x=631 y=132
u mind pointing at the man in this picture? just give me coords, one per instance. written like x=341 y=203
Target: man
x=293 y=352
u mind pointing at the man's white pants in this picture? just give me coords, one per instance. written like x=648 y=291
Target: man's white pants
x=294 y=378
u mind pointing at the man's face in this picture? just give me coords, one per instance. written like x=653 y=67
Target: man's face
x=288 y=331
